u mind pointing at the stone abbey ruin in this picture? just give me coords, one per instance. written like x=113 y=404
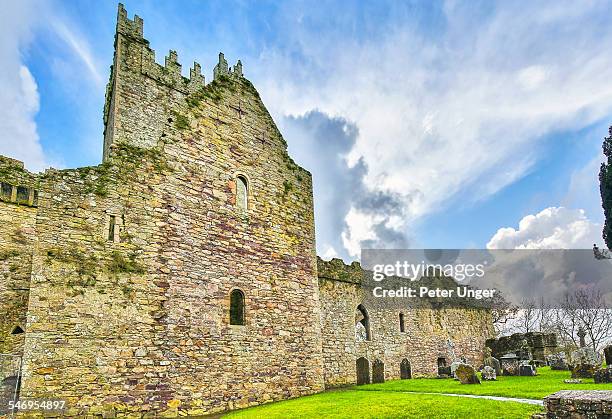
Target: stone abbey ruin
x=180 y=276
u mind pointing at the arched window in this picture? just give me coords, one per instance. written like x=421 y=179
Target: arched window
x=242 y=192
x=237 y=307
x=362 y=324
x=401 y=320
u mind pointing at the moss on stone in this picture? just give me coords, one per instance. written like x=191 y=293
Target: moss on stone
x=128 y=265
x=85 y=264
x=8 y=254
x=180 y=121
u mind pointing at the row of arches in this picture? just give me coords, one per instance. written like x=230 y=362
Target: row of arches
x=378 y=371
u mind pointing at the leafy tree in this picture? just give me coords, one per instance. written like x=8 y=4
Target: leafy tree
x=605 y=188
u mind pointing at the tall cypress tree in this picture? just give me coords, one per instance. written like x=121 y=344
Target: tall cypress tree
x=605 y=188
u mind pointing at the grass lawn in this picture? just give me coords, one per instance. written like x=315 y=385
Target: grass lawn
x=390 y=400
x=547 y=382
x=381 y=404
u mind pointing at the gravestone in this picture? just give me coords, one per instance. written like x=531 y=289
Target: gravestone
x=444 y=372
x=557 y=361
x=488 y=373
x=510 y=364
x=584 y=362
x=453 y=368
x=491 y=361
x=527 y=370
x=572 y=381
x=603 y=375
x=466 y=374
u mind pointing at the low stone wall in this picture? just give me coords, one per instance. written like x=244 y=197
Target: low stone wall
x=578 y=404
x=540 y=344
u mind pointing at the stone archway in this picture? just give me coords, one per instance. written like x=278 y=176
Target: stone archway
x=405 y=370
x=363 y=371
x=378 y=371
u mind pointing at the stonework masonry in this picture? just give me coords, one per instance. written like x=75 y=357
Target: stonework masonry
x=424 y=340
x=120 y=274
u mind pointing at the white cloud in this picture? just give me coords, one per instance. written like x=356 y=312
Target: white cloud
x=80 y=48
x=19 y=99
x=551 y=228
x=453 y=117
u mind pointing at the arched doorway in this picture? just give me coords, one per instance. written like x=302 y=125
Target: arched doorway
x=363 y=371
x=405 y=370
x=378 y=371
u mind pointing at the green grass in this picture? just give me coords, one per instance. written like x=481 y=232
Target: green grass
x=391 y=400
x=382 y=404
x=547 y=382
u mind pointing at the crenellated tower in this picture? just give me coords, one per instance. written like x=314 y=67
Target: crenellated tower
x=133 y=111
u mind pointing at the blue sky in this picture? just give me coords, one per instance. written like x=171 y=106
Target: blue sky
x=425 y=124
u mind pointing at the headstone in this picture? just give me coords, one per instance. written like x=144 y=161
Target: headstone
x=466 y=374
x=603 y=375
x=488 y=373
x=453 y=368
x=526 y=370
x=491 y=361
x=444 y=372
x=557 y=361
x=608 y=355
x=572 y=381
x=584 y=362
x=510 y=364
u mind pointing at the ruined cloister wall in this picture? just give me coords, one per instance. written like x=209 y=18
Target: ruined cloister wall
x=140 y=322
x=424 y=340
x=18 y=201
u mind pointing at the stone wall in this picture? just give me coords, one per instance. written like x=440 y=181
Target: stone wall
x=578 y=404
x=423 y=341
x=138 y=319
x=540 y=344
x=18 y=201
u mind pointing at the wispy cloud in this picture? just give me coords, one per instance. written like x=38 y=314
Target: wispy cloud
x=448 y=117
x=80 y=48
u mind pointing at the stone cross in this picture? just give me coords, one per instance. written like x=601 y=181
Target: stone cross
x=581 y=335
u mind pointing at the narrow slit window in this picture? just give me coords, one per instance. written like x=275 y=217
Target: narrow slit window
x=242 y=192
x=112 y=225
x=401 y=322
x=237 y=308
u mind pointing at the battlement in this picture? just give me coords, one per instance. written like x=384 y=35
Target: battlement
x=132 y=28
x=337 y=270
x=170 y=74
